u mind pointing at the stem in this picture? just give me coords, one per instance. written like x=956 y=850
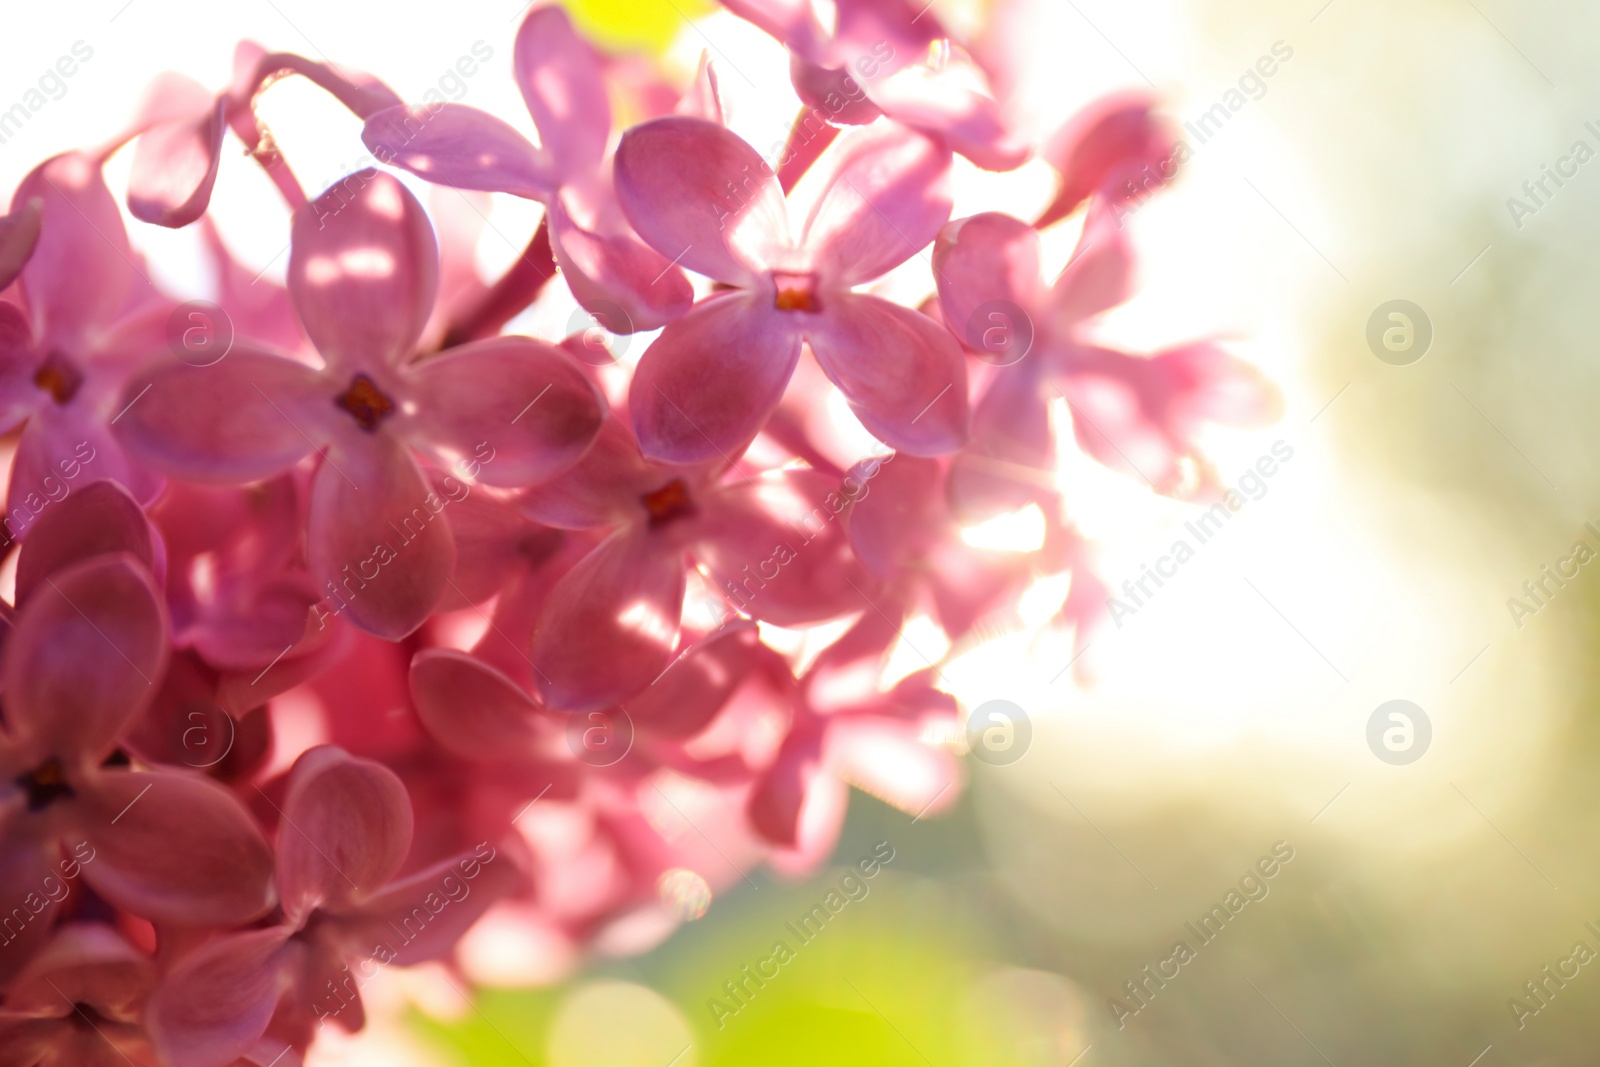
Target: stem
x=519 y=287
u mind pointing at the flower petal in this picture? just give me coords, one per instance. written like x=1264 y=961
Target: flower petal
x=24 y=866
x=609 y=626
x=217 y=1001
x=691 y=692
x=780 y=547
x=346 y=829
x=428 y=912
x=561 y=82
x=57 y=445
x=984 y=259
x=900 y=516
x=604 y=269
x=795 y=780
x=85 y=963
x=216 y=872
x=470 y=708
x=462 y=147
x=98 y=519
x=376 y=538
x=175 y=162
x=707 y=384
x=1009 y=462
x=1098 y=277
x=85 y=657
x=19 y=236
x=902 y=372
x=523 y=408
x=951 y=98
x=602 y=490
x=82 y=270
x=702 y=197
x=888 y=759
x=363 y=270
x=1118 y=146
x=241 y=419
x=877 y=196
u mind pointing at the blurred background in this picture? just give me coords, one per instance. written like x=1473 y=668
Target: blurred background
x=1234 y=719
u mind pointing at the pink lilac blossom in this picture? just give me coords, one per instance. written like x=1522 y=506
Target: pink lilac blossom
x=390 y=626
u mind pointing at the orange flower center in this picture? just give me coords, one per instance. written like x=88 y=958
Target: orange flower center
x=365 y=403
x=58 y=377
x=668 y=503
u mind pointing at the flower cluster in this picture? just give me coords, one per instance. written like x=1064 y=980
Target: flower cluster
x=376 y=627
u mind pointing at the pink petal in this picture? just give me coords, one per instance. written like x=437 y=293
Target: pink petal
x=19 y=236
x=902 y=372
x=950 y=100
x=378 y=533
x=470 y=708
x=877 y=196
x=617 y=270
x=84 y=963
x=702 y=197
x=778 y=548
x=346 y=829
x=830 y=90
x=703 y=98
x=901 y=514
x=1215 y=386
x=217 y=872
x=707 y=384
x=246 y=417
x=610 y=625
x=99 y=518
x=1118 y=146
x=19 y=396
x=462 y=147
x=175 y=163
x=522 y=408
x=776 y=805
x=691 y=692
x=82 y=270
x=494 y=543
x=1098 y=277
x=422 y=917
x=886 y=758
x=216 y=1003
x=59 y=447
x=985 y=259
x=603 y=489
x=561 y=82
x=1009 y=462
x=85 y=657
x=792 y=22
x=363 y=270
x=25 y=865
